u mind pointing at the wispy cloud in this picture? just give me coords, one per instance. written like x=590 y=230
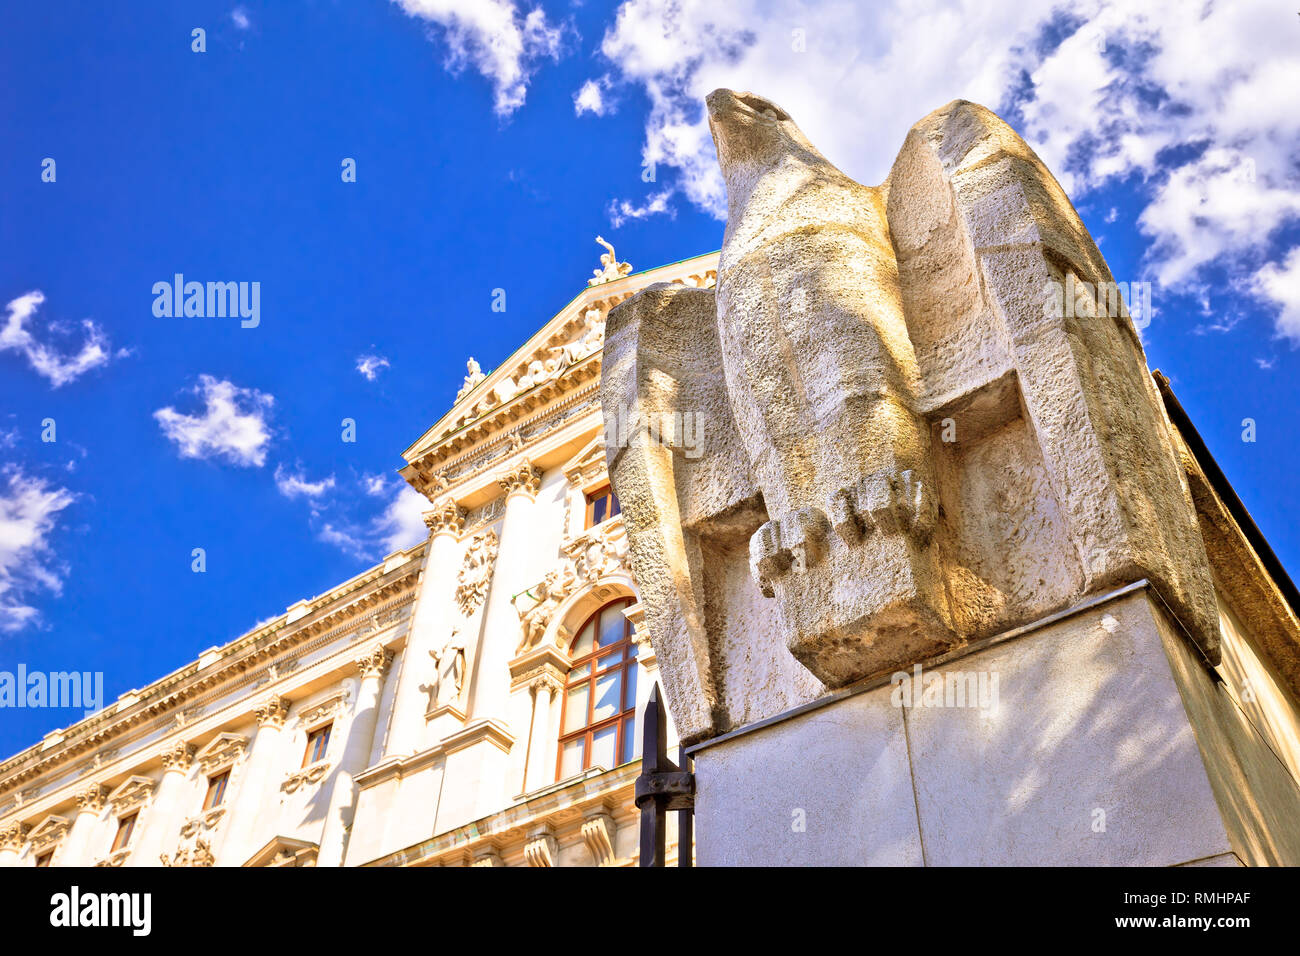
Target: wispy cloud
x=239 y=16
x=29 y=509
x=48 y=361
x=371 y=365
x=295 y=484
x=495 y=38
x=232 y=426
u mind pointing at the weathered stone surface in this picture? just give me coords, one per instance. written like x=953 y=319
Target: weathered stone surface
x=909 y=446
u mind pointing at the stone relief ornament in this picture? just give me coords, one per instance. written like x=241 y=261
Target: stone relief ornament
x=610 y=267
x=588 y=341
x=476 y=572
x=599 y=553
x=547 y=595
x=200 y=854
x=472 y=379
x=849 y=322
x=448 y=672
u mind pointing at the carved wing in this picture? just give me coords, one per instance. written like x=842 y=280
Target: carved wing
x=662 y=361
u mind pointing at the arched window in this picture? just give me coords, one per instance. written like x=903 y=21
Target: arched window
x=598 y=718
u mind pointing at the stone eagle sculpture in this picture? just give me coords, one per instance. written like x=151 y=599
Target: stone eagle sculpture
x=905 y=447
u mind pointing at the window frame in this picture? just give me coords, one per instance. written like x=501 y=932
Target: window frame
x=45 y=859
x=221 y=782
x=324 y=731
x=125 y=830
x=624 y=719
x=601 y=493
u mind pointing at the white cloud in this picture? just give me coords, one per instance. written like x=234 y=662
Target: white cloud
x=370 y=365
x=592 y=97
x=232 y=427
x=402 y=523
x=621 y=210
x=47 y=360
x=1280 y=285
x=295 y=485
x=29 y=508
x=374 y=485
x=239 y=16
x=1196 y=102
x=496 y=39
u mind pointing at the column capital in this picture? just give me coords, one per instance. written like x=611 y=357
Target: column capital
x=447 y=517
x=178 y=757
x=273 y=713
x=375 y=661
x=524 y=478
x=93 y=798
x=14 y=836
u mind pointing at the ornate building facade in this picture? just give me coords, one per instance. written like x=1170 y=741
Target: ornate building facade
x=471 y=701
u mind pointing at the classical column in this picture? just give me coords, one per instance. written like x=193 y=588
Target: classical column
x=431 y=624
x=541 y=748
x=491 y=680
x=12 y=838
x=253 y=796
x=167 y=810
x=80 y=850
x=355 y=758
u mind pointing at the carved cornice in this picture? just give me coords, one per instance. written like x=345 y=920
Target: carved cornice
x=273 y=713
x=92 y=799
x=445 y=518
x=544 y=666
x=179 y=757
x=522 y=478
x=344 y=610
x=374 y=663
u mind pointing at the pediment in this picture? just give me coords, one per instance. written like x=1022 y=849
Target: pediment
x=220 y=751
x=285 y=851
x=131 y=793
x=588 y=465
x=49 y=831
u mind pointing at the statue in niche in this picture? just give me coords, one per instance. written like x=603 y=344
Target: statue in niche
x=610 y=267
x=448 y=672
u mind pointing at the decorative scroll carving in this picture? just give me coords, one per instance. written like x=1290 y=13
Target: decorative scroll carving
x=312 y=773
x=600 y=552
x=326 y=708
x=207 y=820
x=598 y=833
x=13 y=836
x=541 y=849
x=476 y=572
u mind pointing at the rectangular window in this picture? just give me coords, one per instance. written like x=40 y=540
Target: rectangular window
x=602 y=504
x=216 y=790
x=318 y=742
x=125 y=826
x=45 y=858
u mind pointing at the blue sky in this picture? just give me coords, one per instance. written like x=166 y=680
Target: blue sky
x=493 y=141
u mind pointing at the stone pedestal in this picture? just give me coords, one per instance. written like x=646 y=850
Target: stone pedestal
x=1090 y=738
